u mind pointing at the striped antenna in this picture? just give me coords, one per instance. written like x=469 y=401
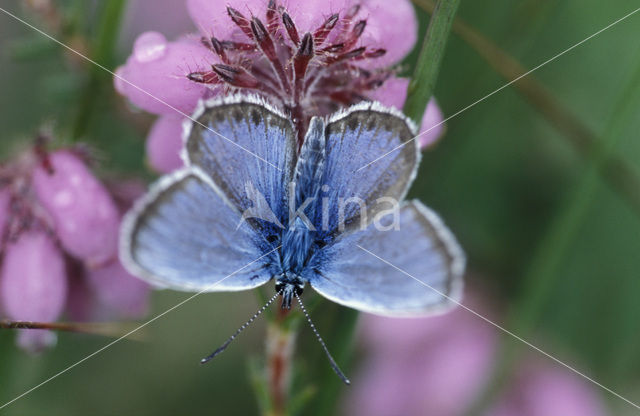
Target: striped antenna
x=242 y=328
x=324 y=346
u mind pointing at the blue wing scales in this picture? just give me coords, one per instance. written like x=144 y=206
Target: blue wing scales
x=421 y=246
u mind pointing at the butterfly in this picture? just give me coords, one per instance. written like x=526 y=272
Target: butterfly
x=251 y=207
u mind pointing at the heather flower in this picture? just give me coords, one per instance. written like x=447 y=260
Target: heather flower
x=85 y=216
x=164 y=143
x=308 y=58
x=118 y=291
x=58 y=249
x=541 y=389
x=437 y=366
x=394 y=93
x=4 y=210
x=33 y=285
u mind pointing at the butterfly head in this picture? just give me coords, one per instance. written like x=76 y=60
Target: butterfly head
x=289 y=287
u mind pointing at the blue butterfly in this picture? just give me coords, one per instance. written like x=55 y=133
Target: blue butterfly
x=250 y=207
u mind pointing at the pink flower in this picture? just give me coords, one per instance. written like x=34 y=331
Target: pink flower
x=4 y=210
x=164 y=143
x=394 y=93
x=425 y=366
x=120 y=292
x=437 y=366
x=542 y=389
x=85 y=216
x=33 y=285
x=156 y=73
x=309 y=58
x=58 y=248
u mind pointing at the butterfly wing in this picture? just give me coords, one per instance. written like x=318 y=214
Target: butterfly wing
x=411 y=270
x=185 y=235
x=354 y=139
x=248 y=149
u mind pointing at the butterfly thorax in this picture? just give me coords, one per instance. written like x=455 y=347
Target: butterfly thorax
x=296 y=250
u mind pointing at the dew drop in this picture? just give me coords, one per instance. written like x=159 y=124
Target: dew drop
x=149 y=46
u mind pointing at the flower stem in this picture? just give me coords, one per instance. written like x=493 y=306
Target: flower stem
x=426 y=71
x=107 y=329
x=280 y=345
x=102 y=51
x=553 y=247
x=622 y=178
x=340 y=340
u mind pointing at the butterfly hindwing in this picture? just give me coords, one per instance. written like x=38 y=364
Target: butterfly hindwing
x=348 y=272
x=184 y=235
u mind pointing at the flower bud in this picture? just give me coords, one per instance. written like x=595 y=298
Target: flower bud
x=4 y=210
x=86 y=218
x=164 y=143
x=119 y=291
x=33 y=286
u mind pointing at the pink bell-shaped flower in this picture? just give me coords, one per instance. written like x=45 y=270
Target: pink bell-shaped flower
x=120 y=292
x=33 y=285
x=85 y=216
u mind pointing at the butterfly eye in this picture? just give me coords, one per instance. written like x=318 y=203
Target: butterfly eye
x=272 y=238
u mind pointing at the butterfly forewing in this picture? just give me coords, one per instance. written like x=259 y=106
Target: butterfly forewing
x=354 y=139
x=248 y=149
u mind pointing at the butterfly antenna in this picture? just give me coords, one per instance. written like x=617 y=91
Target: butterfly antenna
x=242 y=328
x=333 y=363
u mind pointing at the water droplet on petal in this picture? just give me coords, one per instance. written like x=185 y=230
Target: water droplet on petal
x=149 y=46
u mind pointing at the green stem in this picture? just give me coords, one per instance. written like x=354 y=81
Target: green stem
x=426 y=71
x=102 y=51
x=340 y=342
x=622 y=177
x=552 y=249
x=280 y=345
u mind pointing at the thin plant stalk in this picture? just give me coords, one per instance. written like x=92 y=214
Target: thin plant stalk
x=107 y=329
x=102 y=51
x=427 y=68
x=621 y=177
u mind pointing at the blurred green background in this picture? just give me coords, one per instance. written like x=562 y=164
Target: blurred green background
x=524 y=204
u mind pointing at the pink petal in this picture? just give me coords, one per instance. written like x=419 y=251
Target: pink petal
x=126 y=192
x=154 y=76
x=392 y=25
x=81 y=302
x=122 y=293
x=33 y=283
x=432 y=126
x=431 y=365
x=164 y=143
x=212 y=19
x=4 y=209
x=309 y=15
x=543 y=389
x=393 y=93
x=86 y=218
